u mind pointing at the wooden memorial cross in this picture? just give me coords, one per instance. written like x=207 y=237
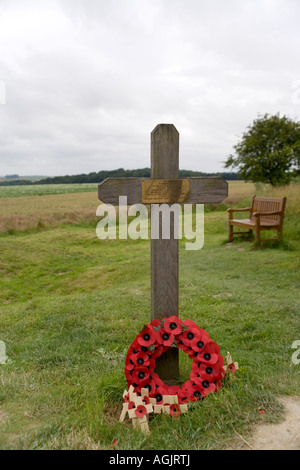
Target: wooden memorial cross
x=164 y=186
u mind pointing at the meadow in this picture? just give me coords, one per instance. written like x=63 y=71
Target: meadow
x=71 y=305
x=45 y=189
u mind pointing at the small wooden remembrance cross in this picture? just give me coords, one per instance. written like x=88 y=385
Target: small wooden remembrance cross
x=164 y=186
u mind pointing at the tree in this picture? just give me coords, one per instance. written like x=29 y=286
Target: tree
x=269 y=151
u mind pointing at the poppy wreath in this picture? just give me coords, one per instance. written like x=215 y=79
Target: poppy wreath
x=207 y=370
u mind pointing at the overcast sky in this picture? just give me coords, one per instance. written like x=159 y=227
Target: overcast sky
x=88 y=80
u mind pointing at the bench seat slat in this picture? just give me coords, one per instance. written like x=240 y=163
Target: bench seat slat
x=252 y=222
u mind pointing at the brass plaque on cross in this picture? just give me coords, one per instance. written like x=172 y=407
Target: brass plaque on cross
x=160 y=191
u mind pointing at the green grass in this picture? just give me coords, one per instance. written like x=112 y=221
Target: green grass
x=45 y=189
x=71 y=305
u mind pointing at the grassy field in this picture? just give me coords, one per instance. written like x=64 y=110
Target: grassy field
x=70 y=306
x=45 y=189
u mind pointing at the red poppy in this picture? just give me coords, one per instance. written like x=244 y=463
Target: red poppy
x=183 y=398
x=158 y=382
x=146 y=399
x=140 y=374
x=210 y=372
x=190 y=324
x=207 y=388
x=231 y=367
x=126 y=398
x=192 y=354
x=164 y=338
x=202 y=378
x=158 y=395
x=194 y=375
x=140 y=411
x=152 y=364
x=187 y=349
x=180 y=392
x=134 y=348
x=193 y=391
x=218 y=383
x=175 y=410
x=155 y=323
x=131 y=405
x=189 y=335
x=209 y=354
x=160 y=389
x=173 y=325
x=196 y=365
x=130 y=353
x=221 y=364
x=183 y=346
x=147 y=337
x=146 y=383
x=174 y=390
x=158 y=351
x=128 y=375
x=199 y=342
x=140 y=359
x=129 y=364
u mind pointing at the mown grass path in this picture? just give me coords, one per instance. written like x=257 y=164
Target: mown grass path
x=70 y=306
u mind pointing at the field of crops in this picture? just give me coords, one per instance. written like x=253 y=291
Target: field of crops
x=45 y=189
x=38 y=207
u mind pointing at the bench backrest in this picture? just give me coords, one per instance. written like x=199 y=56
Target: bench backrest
x=269 y=204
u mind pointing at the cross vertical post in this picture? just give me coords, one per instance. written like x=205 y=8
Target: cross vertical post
x=164 y=253
x=164 y=187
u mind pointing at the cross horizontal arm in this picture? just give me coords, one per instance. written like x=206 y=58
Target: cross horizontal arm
x=110 y=189
x=208 y=190
x=158 y=191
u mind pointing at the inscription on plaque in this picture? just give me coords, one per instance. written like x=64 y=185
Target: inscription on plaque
x=160 y=191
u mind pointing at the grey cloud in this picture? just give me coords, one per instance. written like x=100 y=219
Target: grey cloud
x=87 y=81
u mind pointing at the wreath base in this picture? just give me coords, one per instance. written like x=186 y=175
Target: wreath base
x=159 y=337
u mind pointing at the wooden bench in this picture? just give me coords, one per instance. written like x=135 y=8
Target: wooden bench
x=266 y=213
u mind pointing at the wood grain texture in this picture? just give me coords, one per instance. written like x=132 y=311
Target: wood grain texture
x=164 y=253
x=202 y=190
x=165 y=152
x=110 y=189
x=208 y=190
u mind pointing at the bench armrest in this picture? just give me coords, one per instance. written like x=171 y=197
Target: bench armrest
x=240 y=210
x=259 y=214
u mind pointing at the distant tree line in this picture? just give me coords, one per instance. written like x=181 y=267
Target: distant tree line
x=97 y=177
x=11 y=177
x=15 y=182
